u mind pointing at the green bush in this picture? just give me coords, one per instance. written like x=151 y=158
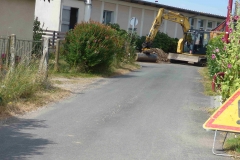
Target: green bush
x=92 y=46
x=129 y=42
x=37 y=37
x=225 y=57
x=162 y=40
x=116 y=26
x=173 y=45
x=139 y=43
x=214 y=49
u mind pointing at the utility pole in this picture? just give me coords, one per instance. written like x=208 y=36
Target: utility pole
x=229 y=11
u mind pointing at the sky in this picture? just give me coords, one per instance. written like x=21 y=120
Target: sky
x=218 y=7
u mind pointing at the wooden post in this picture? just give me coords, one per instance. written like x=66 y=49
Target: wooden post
x=56 y=65
x=53 y=40
x=12 y=51
x=7 y=51
x=43 y=67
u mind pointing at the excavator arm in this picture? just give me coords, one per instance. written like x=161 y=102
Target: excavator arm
x=170 y=16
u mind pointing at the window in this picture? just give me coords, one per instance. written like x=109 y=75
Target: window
x=200 y=24
x=191 y=21
x=209 y=26
x=107 y=17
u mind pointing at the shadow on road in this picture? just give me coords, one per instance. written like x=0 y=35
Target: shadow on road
x=17 y=143
x=184 y=63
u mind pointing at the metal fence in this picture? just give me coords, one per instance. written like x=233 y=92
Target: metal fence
x=23 y=48
x=4 y=47
x=27 y=47
x=15 y=51
x=53 y=37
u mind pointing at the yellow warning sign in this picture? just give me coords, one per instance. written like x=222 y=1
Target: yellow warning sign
x=227 y=117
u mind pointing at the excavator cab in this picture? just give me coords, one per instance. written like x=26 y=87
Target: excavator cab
x=196 y=42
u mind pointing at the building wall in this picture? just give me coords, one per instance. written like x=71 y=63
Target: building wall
x=96 y=11
x=138 y=13
x=149 y=16
x=51 y=15
x=122 y=14
x=17 y=17
x=124 y=11
x=48 y=13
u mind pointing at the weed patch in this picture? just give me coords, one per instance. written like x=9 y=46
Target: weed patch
x=207 y=82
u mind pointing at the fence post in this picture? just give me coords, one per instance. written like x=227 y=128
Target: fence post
x=56 y=66
x=43 y=67
x=53 y=41
x=7 y=51
x=12 y=51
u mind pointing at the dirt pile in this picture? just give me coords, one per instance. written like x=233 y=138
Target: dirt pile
x=162 y=56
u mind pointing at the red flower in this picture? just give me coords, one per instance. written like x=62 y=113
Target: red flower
x=223 y=39
x=213 y=56
x=229 y=66
x=236 y=17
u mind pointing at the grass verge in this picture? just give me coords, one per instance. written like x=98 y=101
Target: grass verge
x=22 y=93
x=232 y=145
x=207 y=82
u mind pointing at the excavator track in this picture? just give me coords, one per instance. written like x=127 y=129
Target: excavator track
x=153 y=55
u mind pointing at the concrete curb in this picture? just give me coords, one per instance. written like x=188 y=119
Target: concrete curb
x=216 y=101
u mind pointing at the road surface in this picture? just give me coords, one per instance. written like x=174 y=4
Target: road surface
x=154 y=113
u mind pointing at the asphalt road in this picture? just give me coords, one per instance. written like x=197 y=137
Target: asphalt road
x=154 y=113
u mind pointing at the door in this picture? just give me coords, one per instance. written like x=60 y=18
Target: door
x=69 y=18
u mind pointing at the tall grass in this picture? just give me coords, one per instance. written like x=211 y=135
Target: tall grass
x=21 y=82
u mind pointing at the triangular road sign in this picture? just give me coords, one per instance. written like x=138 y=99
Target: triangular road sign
x=227 y=117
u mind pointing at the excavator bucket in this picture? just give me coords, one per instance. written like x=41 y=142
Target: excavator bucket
x=153 y=55
x=142 y=57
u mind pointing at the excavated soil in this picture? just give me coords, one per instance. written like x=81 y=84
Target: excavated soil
x=162 y=56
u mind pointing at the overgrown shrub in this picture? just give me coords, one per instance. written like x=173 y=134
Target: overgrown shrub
x=214 y=49
x=91 y=46
x=37 y=37
x=139 y=43
x=129 y=40
x=37 y=30
x=173 y=45
x=226 y=58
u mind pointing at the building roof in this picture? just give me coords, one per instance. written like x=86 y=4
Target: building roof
x=157 y=5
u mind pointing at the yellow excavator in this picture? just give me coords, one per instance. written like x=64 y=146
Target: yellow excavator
x=191 y=48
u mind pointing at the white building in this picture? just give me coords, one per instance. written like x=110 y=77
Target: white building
x=62 y=15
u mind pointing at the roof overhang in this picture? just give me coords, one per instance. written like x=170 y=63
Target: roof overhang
x=157 y=5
